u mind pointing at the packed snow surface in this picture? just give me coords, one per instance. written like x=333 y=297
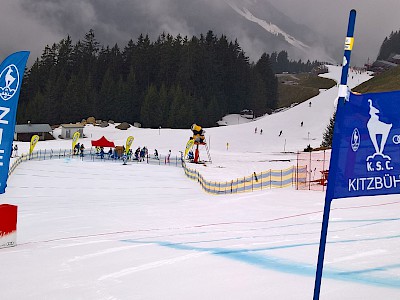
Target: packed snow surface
x=103 y=230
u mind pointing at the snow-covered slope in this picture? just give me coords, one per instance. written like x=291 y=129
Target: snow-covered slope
x=247 y=152
x=268 y=26
x=103 y=230
x=269 y=20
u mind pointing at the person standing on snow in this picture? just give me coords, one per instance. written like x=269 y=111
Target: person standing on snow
x=124 y=158
x=168 y=156
x=16 y=150
x=82 y=148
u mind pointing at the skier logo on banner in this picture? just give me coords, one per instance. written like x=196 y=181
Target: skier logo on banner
x=378 y=133
x=9 y=82
x=375 y=128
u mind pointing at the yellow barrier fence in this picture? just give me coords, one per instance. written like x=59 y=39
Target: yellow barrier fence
x=256 y=181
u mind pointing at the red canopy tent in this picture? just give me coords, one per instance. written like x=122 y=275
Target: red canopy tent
x=103 y=142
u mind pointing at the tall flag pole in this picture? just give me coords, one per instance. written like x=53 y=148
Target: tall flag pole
x=11 y=74
x=343 y=94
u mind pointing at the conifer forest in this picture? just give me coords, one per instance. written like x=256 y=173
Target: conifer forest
x=170 y=82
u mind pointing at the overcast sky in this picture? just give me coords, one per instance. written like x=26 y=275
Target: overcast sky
x=375 y=20
x=32 y=24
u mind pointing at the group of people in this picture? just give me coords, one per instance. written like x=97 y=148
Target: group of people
x=261 y=131
x=100 y=152
x=112 y=154
x=255 y=131
x=141 y=153
x=79 y=149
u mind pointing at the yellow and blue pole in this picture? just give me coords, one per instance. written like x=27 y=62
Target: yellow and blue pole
x=348 y=46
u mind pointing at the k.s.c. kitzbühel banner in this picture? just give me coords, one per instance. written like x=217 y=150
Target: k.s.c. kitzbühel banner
x=367 y=141
x=11 y=75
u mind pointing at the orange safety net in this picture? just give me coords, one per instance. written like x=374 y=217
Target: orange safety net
x=314 y=174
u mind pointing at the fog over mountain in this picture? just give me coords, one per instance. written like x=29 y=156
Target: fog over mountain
x=307 y=29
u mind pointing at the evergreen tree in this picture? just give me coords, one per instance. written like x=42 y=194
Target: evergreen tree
x=107 y=103
x=71 y=102
x=328 y=134
x=151 y=114
x=164 y=105
x=132 y=100
x=180 y=114
x=282 y=62
x=89 y=49
x=269 y=85
x=213 y=112
x=34 y=108
x=390 y=45
x=65 y=61
x=259 y=95
x=54 y=90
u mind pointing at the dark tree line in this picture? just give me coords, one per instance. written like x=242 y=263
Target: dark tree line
x=280 y=63
x=390 y=45
x=171 y=82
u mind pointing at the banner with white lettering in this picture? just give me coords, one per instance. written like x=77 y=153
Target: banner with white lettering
x=366 y=146
x=11 y=75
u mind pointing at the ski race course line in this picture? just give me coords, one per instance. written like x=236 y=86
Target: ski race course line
x=79 y=244
x=105 y=252
x=249 y=256
x=152 y=265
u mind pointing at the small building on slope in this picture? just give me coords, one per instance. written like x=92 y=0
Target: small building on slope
x=24 y=132
x=68 y=130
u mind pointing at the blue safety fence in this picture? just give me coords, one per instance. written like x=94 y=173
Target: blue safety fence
x=90 y=155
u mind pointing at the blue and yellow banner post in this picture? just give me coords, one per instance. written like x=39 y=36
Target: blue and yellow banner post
x=75 y=139
x=34 y=140
x=343 y=94
x=128 y=144
x=11 y=74
x=189 y=146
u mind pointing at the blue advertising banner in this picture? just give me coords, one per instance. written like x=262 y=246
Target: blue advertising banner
x=367 y=146
x=11 y=75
